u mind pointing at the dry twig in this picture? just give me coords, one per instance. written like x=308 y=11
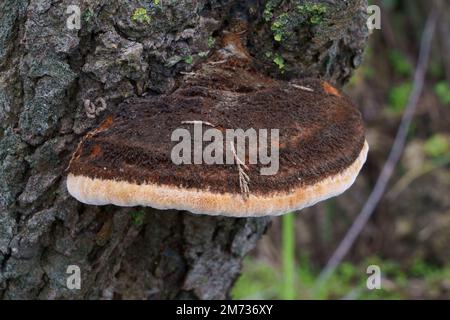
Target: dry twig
x=198 y=122
x=244 y=179
x=302 y=87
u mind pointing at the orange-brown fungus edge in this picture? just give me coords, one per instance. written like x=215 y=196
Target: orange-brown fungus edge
x=330 y=89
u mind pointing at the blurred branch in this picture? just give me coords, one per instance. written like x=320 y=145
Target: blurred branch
x=394 y=155
x=444 y=8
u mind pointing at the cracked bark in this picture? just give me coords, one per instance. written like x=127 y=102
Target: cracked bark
x=48 y=72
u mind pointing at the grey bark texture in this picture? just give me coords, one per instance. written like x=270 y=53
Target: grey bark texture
x=49 y=73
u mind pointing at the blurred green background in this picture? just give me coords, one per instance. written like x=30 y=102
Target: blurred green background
x=408 y=236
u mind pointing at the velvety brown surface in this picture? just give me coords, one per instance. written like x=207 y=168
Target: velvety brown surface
x=321 y=132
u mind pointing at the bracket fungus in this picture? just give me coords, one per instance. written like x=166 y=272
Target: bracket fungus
x=128 y=159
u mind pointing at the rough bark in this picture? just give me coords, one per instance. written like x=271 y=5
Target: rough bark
x=47 y=72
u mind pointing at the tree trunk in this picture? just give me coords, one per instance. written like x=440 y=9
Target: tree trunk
x=49 y=73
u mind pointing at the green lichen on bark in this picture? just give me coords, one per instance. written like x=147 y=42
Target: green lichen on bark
x=140 y=16
x=308 y=14
x=314 y=38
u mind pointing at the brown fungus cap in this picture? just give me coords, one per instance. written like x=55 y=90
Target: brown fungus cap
x=127 y=161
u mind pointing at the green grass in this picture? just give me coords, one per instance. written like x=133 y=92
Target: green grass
x=288 y=256
x=398 y=97
x=442 y=90
x=437 y=146
x=261 y=280
x=258 y=281
x=400 y=63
